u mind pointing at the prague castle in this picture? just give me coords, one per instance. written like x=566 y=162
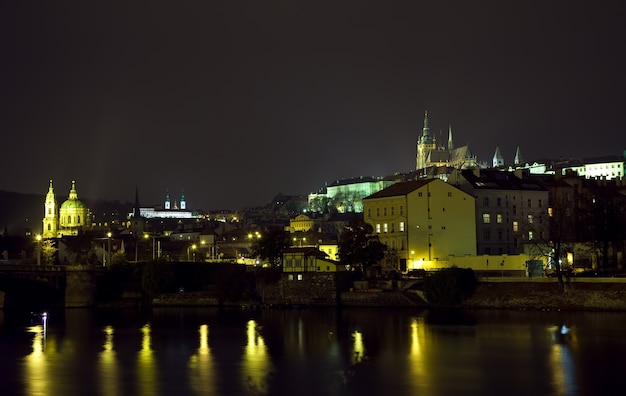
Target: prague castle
x=67 y=219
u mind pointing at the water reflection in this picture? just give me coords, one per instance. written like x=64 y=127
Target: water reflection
x=358 y=348
x=561 y=362
x=146 y=370
x=416 y=360
x=256 y=362
x=201 y=367
x=107 y=359
x=36 y=365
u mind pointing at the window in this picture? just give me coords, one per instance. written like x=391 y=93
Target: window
x=369 y=212
x=499 y=235
x=298 y=262
x=498 y=202
x=299 y=277
x=530 y=205
x=486 y=218
x=550 y=212
x=49 y=210
x=530 y=235
x=377 y=211
x=486 y=201
x=401 y=210
x=499 y=218
x=288 y=263
x=530 y=219
x=385 y=228
x=401 y=226
x=393 y=228
x=385 y=211
x=449 y=193
x=539 y=203
x=515 y=226
x=290 y=277
x=487 y=235
x=393 y=211
x=419 y=194
x=514 y=209
x=377 y=228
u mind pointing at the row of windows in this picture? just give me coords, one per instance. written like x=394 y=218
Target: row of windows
x=500 y=219
x=389 y=227
x=392 y=210
x=297 y=263
x=500 y=233
x=529 y=203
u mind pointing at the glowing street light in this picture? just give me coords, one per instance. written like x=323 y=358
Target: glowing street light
x=38 y=238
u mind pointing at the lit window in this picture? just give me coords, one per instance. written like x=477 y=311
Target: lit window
x=486 y=218
x=499 y=218
x=550 y=212
x=377 y=228
x=530 y=235
x=515 y=226
x=385 y=227
x=290 y=277
x=299 y=276
x=530 y=219
x=401 y=226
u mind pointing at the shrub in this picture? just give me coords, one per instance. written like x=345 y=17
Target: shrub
x=450 y=286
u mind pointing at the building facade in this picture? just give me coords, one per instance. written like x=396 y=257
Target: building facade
x=423 y=221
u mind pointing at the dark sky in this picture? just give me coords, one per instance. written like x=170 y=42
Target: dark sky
x=233 y=102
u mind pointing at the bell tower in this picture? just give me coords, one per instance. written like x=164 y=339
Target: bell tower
x=425 y=144
x=50 y=219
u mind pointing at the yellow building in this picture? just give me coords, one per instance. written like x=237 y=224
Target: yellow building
x=423 y=221
x=301 y=223
x=308 y=259
x=70 y=217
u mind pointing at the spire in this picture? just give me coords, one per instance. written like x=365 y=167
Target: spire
x=73 y=194
x=425 y=129
x=167 y=200
x=183 y=204
x=518 y=157
x=498 y=160
x=137 y=211
x=450 y=144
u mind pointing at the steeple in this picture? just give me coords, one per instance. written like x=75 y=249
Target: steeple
x=50 y=219
x=137 y=210
x=498 y=160
x=450 y=144
x=183 y=204
x=518 y=157
x=167 y=201
x=425 y=128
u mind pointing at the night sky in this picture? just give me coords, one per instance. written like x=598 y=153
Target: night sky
x=232 y=102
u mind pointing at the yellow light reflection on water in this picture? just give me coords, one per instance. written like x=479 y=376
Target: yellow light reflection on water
x=36 y=364
x=201 y=369
x=109 y=370
x=256 y=362
x=146 y=370
x=416 y=361
x=358 y=347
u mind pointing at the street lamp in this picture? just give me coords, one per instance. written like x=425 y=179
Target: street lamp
x=38 y=238
x=146 y=236
x=193 y=247
x=108 y=260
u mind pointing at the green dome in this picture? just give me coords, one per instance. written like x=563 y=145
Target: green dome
x=73 y=204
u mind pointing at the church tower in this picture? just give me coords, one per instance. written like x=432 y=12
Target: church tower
x=167 y=201
x=425 y=144
x=50 y=219
x=498 y=159
x=518 y=157
x=450 y=143
x=183 y=204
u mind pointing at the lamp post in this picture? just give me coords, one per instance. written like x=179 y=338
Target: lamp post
x=108 y=260
x=38 y=238
x=193 y=247
x=146 y=236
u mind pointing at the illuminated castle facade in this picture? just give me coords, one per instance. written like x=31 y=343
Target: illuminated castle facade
x=429 y=154
x=67 y=219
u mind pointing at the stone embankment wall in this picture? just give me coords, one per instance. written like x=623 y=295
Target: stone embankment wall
x=313 y=289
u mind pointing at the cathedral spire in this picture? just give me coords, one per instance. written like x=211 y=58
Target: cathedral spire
x=498 y=160
x=450 y=144
x=426 y=129
x=518 y=157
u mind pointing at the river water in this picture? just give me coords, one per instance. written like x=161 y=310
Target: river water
x=356 y=351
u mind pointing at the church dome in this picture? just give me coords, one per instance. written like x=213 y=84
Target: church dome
x=72 y=201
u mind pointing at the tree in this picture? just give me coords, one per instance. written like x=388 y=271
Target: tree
x=271 y=245
x=359 y=247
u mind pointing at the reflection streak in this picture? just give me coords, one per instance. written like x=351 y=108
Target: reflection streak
x=201 y=370
x=109 y=375
x=146 y=370
x=36 y=368
x=256 y=363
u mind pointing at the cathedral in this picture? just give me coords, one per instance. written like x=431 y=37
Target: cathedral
x=429 y=154
x=67 y=219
